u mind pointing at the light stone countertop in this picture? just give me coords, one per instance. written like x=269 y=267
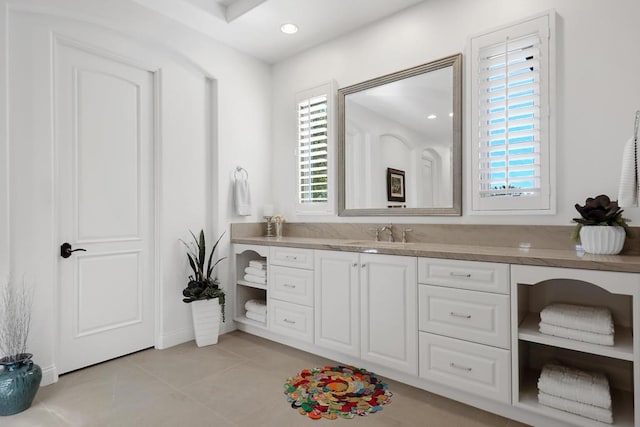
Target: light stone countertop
x=524 y=256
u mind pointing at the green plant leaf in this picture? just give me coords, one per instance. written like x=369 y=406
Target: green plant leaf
x=193 y=265
x=209 y=267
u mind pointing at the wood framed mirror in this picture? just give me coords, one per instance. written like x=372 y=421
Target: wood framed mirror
x=409 y=122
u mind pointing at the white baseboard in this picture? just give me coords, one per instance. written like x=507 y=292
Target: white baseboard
x=49 y=375
x=174 y=338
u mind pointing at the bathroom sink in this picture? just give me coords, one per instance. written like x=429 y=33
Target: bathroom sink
x=373 y=244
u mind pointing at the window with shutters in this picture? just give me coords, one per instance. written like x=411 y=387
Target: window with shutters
x=314 y=151
x=511 y=124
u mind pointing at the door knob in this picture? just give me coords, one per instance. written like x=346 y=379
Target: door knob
x=66 y=251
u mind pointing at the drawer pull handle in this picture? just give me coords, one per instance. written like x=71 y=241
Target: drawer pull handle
x=355 y=264
x=464 y=316
x=462 y=368
x=286 y=285
x=293 y=322
x=291 y=257
x=466 y=275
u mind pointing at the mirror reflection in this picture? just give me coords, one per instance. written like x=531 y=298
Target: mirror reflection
x=400 y=142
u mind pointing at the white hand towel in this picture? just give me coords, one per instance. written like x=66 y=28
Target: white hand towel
x=256 y=306
x=256 y=271
x=589 y=411
x=574 y=334
x=591 y=388
x=257 y=317
x=258 y=264
x=242 y=196
x=628 y=190
x=255 y=279
x=590 y=319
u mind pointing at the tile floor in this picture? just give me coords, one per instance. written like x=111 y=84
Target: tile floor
x=237 y=382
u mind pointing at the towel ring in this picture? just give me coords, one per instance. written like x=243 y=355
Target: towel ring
x=240 y=170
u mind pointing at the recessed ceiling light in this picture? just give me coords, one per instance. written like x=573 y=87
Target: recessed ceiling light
x=431 y=116
x=450 y=114
x=289 y=28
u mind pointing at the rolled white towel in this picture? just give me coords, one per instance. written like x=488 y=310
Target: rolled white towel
x=257 y=263
x=591 y=388
x=255 y=279
x=256 y=306
x=589 y=411
x=256 y=271
x=591 y=319
x=628 y=190
x=257 y=317
x=574 y=334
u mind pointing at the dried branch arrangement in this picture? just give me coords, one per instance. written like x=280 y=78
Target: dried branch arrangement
x=15 y=320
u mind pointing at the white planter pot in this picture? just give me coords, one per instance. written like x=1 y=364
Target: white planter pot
x=206 y=321
x=602 y=239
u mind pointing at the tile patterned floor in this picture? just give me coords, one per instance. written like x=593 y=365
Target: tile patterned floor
x=237 y=382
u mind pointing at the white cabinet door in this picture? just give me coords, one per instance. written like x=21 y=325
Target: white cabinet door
x=337 y=314
x=389 y=311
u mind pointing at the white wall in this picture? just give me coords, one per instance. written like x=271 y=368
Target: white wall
x=195 y=174
x=597 y=79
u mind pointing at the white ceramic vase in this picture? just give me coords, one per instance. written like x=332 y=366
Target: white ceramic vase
x=601 y=239
x=206 y=321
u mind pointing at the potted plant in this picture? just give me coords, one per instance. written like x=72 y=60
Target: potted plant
x=19 y=376
x=203 y=291
x=601 y=228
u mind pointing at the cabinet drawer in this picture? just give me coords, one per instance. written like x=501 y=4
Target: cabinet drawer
x=474 y=275
x=480 y=317
x=291 y=319
x=291 y=284
x=291 y=257
x=470 y=367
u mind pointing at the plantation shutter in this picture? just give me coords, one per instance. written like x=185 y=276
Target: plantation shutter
x=511 y=118
x=313 y=143
x=509 y=137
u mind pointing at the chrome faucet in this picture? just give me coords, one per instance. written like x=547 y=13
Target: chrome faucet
x=404 y=234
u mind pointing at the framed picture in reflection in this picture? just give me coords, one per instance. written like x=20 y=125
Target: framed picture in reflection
x=395 y=185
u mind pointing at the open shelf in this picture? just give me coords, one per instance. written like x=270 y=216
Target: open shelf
x=622 y=405
x=251 y=284
x=622 y=348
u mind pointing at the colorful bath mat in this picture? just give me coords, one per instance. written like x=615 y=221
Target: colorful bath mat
x=336 y=392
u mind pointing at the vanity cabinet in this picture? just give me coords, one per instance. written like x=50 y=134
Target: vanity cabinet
x=389 y=311
x=290 y=297
x=467 y=330
x=532 y=289
x=464 y=322
x=337 y=301
x=366 y=307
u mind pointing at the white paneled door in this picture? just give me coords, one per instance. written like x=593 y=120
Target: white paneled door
x=104 y=120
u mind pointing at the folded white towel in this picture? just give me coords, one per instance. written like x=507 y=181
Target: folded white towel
x=256 y=306
x=258 y=264
x=591 y=388
x=257 y=317
x=589 y=411
x=628 y=190
x=255 y=279
x=591 y=319
x=256 y=271
x=242 y=195
x=574 y=334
